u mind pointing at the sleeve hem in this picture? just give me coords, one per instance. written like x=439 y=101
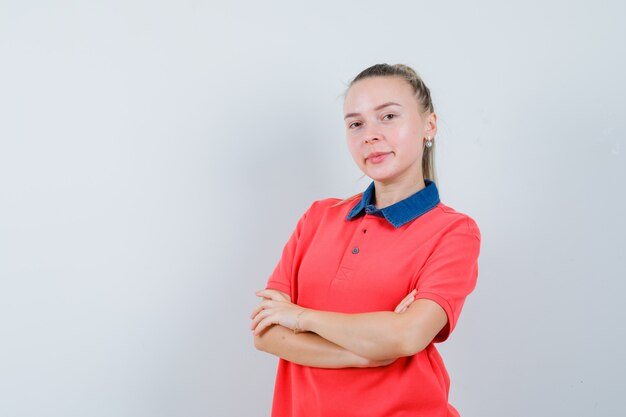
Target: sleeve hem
x=275 y=285
x=447 y=329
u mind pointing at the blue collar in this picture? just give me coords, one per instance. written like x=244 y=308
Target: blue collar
x=403 y=211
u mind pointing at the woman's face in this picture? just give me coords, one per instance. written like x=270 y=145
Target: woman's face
x=385 y=130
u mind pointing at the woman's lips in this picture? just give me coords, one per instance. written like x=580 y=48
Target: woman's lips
x=377 y=158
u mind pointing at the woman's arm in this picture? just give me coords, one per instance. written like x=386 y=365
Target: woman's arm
x=309 y=348
x=448 y=276
x=379 y=335
x=375 y=336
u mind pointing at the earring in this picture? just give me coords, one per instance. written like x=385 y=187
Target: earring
x=429 y=142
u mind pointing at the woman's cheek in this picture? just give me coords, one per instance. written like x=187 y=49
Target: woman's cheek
x=355 y=152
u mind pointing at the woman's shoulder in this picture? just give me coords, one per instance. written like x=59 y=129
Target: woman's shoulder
x=334 y=207
x=333 y=204
x=337 y=202
x=456 y=219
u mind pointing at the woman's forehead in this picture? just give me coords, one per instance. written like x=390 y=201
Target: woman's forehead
x=372 y=92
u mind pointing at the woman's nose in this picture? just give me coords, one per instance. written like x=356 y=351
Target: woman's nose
x=371 y=135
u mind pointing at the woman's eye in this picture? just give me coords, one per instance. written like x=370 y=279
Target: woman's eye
x=389 y=116
x=354 y=124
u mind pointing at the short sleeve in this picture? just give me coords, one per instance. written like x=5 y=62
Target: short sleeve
x=282 y=277
x=451 y=271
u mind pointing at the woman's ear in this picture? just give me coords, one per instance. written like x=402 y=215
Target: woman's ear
x=431 y=125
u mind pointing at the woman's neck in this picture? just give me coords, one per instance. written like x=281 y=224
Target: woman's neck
x=390 y=193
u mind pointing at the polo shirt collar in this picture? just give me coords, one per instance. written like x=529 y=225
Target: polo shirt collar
x=403 y=211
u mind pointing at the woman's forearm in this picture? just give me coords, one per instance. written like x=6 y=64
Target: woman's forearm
x=310 y=349
x=379 y=335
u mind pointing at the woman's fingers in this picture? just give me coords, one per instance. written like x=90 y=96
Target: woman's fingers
x=262 y=305
x=403 y=304
x=271 y=294
x=270 y=312
x=258 y=317
x=409 y=300
x=269 y=315
x=263 y=324
x=268 y=296
x=267 y=309
x=406 y=302
x=256 y=310
x=400 y=309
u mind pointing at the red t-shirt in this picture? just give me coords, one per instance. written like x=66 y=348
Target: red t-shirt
x=367 y=264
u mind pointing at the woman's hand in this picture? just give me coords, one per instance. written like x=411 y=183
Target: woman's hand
x=275 y=309
x=404 y=304
x=273 y=295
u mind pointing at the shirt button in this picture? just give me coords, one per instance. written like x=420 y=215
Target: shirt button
x=355 y=250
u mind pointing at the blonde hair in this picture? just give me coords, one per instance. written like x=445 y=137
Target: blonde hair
x=422 y=94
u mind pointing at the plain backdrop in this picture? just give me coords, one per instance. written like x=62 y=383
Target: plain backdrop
x=155 y=157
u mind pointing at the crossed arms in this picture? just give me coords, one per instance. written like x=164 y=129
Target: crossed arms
x=336 y=340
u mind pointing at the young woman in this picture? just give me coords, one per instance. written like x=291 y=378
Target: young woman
x=366 y=286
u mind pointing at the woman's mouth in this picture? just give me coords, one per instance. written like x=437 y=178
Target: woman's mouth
x=377 y=157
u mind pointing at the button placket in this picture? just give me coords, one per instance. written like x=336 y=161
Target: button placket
x=359 y=236
x=354 y=250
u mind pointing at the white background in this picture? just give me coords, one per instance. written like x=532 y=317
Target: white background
x=155 y=156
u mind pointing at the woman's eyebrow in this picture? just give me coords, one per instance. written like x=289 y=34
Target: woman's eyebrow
x=382 y=106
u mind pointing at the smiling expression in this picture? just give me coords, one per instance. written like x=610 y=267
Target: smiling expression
x=385 y=129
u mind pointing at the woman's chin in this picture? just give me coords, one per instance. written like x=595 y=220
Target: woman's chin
x=380 y=177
